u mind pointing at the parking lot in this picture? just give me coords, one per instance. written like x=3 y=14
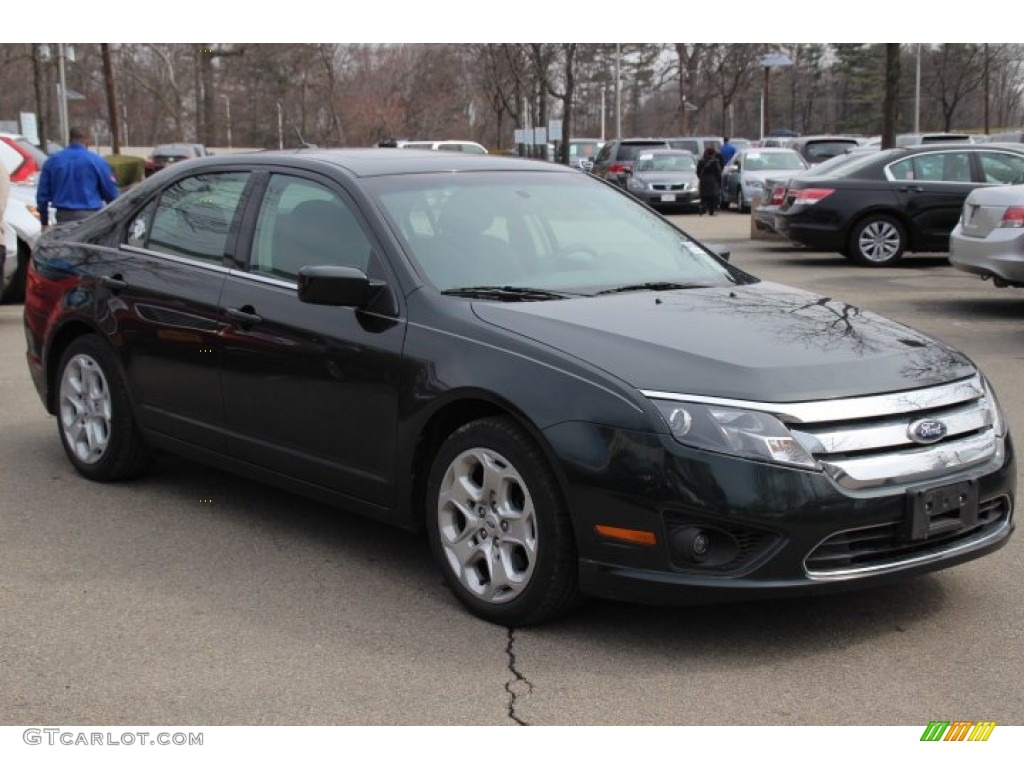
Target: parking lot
x=192 y=596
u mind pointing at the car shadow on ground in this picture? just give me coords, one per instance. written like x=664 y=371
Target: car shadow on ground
x=739 y=629
x=750 y=632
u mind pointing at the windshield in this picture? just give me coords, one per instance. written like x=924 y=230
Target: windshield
x=668 y=163
x=773 y=161
x=817 y=151
x=541 y=230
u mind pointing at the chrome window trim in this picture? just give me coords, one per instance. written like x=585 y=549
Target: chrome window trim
x=845 y=409
x=266 y=279
x=192 y=262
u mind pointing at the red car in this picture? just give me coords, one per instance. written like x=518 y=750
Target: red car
x=166 y=154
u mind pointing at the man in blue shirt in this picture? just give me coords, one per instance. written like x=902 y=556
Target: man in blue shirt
x=76 y=181
x=727 y=151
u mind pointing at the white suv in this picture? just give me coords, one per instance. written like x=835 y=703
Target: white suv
x=447 y=145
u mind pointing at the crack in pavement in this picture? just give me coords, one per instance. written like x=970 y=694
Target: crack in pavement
x=517 y=681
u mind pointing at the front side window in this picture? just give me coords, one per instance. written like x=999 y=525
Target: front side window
x=193 y=217
x=1001 y=168
x=302 y=222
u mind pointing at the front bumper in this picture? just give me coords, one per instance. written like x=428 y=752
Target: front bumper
x=788 y=524
x=658 y=199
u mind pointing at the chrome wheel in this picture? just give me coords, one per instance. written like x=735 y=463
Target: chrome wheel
x=879 y=241
x=85 y=409
x=487 y=525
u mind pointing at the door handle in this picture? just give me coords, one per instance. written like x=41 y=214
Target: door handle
x=245 y=316
x=913 y=189
x=114 y=282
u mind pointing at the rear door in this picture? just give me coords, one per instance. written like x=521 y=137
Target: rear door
x=164 y=305
x=311 y=391
x=931 y=188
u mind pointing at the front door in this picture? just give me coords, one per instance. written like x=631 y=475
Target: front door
x=311 y=391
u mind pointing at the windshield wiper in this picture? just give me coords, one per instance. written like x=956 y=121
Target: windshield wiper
x=653 y=286
x=505 y=293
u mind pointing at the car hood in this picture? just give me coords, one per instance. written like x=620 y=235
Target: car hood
x=675 y=177
x=762 y=342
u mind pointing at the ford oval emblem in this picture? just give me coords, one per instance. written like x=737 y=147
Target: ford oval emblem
x=926 y=431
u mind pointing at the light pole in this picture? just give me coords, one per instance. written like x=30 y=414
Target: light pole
x=618 y=90
x=227 y=107
x=917 y=93
x=280 y=126
x=768 y=61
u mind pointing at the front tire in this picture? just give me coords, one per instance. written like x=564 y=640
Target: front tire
x=877 y=241
x=741 y=201
x=498 y=527
x=94 y=415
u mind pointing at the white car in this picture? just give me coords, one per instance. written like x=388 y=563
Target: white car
x=989 y=238
x=21 y=220
x=447 y=145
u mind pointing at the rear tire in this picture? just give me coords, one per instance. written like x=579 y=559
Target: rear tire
x=877 y=241
x=94 y=414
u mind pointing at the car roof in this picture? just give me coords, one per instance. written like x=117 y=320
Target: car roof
x=365 y=162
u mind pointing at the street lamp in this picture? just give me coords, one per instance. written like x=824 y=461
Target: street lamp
x=227 y=106
x=768 y=61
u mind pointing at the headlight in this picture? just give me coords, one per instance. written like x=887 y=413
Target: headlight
x=751 y=434
x=998 y=419
x=635 y=186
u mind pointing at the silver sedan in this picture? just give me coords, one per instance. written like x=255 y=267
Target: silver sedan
x=989 y=238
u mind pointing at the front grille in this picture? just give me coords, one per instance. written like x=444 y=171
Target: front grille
x=901 y=438
x=666 y=187
x=878 y=546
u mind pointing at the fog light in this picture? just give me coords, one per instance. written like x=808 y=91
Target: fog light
x=700 y=544
x=707 y=547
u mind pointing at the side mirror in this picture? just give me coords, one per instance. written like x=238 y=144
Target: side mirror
x=337 y=286
x=719 y=250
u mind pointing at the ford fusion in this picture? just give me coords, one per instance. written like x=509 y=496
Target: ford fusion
x=566 y=392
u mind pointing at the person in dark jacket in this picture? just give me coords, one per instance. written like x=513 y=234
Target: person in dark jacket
x=76 y=181
x=709 y=177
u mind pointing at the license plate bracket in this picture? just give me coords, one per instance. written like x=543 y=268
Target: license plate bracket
x=941 y=509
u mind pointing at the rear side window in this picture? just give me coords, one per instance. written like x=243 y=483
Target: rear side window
x=938 y=166
x=193 y=217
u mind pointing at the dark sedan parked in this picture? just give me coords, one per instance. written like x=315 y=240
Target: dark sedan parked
x=568 y=393
x=166 y=154
x=880 y=205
